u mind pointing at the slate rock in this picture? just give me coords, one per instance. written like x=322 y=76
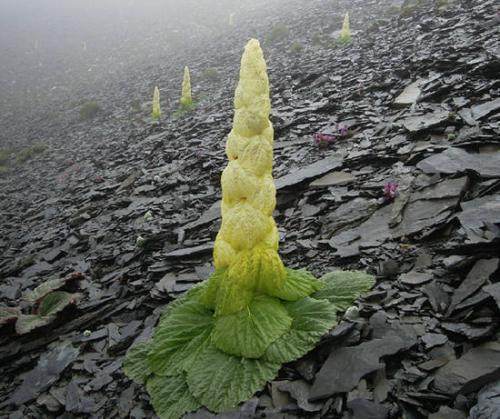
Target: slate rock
x=488 y=403
x=480 y=218
x=446 y=412
x=410 y=95
x=47 y=371
x=484 y=109
x=477 y=276
x=494 y=291
x=334 y=377
x=477 y=367
x=425 y=122
x=415 y=278
x=333 y=179
x=190 y=251
x=309 y=172
x=366 y=409
x=455 y=160
x=300 y=391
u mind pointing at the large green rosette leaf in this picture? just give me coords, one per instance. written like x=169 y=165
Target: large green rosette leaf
x=343 y=287
x=311 y=320
x=171 y=396
x=221 y=381
x=248 y=333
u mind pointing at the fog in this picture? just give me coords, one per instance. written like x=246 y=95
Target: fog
x=61 y=33
x=56 y=53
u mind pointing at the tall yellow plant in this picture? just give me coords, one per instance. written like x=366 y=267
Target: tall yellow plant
x=345 y=33
x=186 y=98
x=156 y=113
x=222 y=341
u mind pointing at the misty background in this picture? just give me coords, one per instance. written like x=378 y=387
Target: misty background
x=55 y=52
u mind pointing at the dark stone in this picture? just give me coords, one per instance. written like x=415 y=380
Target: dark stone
x=427 y=121
x=494 y=291
x=455 y=160
x=190 y=251
x=334 y=377
x=366 y=409
x=47 y=372
x=309 y=172
x=488 y=403
x=477 y=367
x=477 y=276
x=484 y=109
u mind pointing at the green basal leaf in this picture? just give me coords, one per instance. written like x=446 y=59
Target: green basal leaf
x=221 y=381
x=29 y=322
x=311 y=319
x=181 y=332
x=298 y=284
x=249 y=332
x=135 y=365
x=9 y=314
x=343 y=287
x=44 y=289
x=209 y=296
x=170 y=396
x=56 y=301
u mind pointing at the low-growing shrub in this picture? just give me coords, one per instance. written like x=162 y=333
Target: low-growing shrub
x=89 y=110
x=29 y=152
x=296 y=48
x=278 y=33
x=318 y=39
x=210 y=73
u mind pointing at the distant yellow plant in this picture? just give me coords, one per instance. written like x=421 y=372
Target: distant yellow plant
x=186 y=98
x=345 y=33
x=156 y=104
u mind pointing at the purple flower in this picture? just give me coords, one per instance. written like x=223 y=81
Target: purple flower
x=343 y=130
x=322 y=139
x=390 y=191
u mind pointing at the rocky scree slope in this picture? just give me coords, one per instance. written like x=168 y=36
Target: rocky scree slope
x=424 y=343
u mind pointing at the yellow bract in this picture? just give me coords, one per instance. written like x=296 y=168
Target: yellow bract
x=156 y=114
x=345 y=33
x=247 y=243
x=186 y=99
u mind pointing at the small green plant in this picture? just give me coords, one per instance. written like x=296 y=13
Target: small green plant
x=29 y=152
x=89 y=110
x=4 y=156
x=184 y=110
x=223 y=340
x=136 y=106
x=278 y=33
x=211 y=74
x=296 y=48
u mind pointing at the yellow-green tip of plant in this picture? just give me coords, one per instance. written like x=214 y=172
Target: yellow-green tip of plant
x=186 y=98
x=156 y=114
x=247 y=243
x=345 y=33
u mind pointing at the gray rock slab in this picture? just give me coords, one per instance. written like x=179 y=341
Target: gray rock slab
x=476 y=368
x=455 y=160
x=333 y=179
x=479 y=218
x=410 y=95
x=484 y=109
x=477 y=277
x=425 y=122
